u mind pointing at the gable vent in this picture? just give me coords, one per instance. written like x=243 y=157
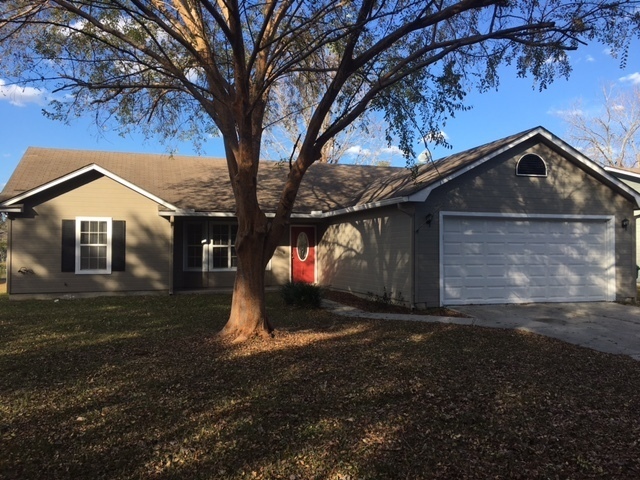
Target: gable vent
x=531 y=165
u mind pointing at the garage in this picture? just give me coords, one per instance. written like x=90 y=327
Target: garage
x=494 y=258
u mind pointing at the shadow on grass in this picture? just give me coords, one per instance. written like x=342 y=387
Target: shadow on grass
x=140 y=388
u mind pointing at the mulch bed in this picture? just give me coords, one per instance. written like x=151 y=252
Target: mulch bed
x=370 y=305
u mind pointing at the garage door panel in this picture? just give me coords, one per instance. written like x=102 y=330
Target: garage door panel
x=506 y=260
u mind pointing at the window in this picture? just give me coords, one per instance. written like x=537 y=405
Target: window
x=194 y=240
x=210 y=246
x=531 y=165
x=93 y=245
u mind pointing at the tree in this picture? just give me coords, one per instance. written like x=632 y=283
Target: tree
x=3 y=239
x=610 y=136
x=173 y=67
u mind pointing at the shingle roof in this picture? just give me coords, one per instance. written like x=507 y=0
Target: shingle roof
x=197 y=183
x=202 y=184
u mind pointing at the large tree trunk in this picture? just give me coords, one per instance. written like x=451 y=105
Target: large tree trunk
x=248 y=315
x=254 y=248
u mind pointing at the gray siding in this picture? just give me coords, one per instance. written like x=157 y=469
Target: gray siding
x=494 y=187
x=368 y=252
x=635 y=184
x=36 y=241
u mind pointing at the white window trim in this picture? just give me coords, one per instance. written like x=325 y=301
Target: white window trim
x=105 y=271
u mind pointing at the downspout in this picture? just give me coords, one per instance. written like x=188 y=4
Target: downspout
x=412 y=248
x=172 y=254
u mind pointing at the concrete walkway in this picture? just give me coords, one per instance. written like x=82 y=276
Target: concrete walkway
x=603 y=326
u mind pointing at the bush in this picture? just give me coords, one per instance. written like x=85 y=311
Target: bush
x=301 y=294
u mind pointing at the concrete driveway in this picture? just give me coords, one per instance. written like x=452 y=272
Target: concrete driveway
x=606 y=327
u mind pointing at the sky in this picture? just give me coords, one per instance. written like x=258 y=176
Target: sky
x=516 y=106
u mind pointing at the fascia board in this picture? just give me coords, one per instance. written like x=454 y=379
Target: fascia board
x=89 y=168
x=334 y=213
x=622 y=171
x=363 y=207
x=11 y=209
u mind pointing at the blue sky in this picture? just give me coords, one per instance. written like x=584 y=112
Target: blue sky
x=515 y=107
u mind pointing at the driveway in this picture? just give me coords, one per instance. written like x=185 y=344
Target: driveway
x=606 y=327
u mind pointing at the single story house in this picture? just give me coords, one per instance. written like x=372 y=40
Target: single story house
x=630 y=176
x=526 y=218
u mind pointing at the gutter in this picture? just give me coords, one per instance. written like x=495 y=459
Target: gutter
x=12 y=209
x=313 y=215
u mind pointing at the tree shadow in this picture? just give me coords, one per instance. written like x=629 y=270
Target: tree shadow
x=326 y=398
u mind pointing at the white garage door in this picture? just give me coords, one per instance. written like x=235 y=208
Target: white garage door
x=519 y=260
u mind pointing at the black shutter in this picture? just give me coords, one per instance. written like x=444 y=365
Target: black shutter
x=68 y=246
x=118 y=234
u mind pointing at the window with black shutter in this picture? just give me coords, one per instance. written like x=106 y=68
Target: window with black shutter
x=93 y=245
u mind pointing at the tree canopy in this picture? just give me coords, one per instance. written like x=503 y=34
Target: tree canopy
x=609 y=135
x=195 y=67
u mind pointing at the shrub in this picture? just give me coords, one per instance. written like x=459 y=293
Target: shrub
x=301 y=294
x=386 y=299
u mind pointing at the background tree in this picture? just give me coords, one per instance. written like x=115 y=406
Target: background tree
x=171 y=67
x=611 y=134
x=3 y=246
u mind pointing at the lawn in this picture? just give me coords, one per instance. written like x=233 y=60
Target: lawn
x=139 y=388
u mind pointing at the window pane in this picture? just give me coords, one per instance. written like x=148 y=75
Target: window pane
x=194 y=234
x=219 y=257
x=195 y=241
x=234 y=257
x=194 y=256
x=220 y=234
x=91 y=257
x=93 y=245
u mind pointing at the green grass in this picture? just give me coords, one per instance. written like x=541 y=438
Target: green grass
x=139 y=388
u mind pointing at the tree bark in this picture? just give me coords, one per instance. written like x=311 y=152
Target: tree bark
x=248 y=316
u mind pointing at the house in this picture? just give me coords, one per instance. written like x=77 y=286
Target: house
x=631 y=177
x=526 y=218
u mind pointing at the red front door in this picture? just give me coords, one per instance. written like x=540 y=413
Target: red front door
x=303 y=254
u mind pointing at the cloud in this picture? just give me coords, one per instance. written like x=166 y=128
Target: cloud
x=21 y=96
x=633 y=78
x=590 y=59
x=436 y=136
x=358 y=150
x=574 y=112
x=392 y=150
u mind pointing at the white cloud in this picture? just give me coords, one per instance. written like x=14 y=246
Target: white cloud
x=21 y=96
x=392 y=150
x=358 y=150
x=565 y=113
x=435 y=137
x=633 y=78
x=590 y=59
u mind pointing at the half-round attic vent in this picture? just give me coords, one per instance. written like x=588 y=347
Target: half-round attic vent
x=531 y=165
